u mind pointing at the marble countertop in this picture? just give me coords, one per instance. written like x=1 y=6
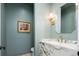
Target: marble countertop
x=65 y=45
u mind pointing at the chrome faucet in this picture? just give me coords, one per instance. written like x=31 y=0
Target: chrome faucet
x=60 y=39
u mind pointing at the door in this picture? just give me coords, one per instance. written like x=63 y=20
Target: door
x=2 y=30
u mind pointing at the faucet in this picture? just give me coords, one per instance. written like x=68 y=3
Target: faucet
x=60 y=38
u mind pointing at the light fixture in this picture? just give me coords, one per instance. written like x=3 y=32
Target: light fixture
x=52 y=18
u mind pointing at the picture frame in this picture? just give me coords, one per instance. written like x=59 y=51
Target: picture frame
x=23 y=26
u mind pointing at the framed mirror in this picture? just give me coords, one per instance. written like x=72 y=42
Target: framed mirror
x=68 y=17
x=66 y=22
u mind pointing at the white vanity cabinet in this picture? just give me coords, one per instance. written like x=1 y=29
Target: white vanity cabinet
x=52 y=48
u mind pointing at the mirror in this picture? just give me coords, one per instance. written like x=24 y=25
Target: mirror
x=68 y=18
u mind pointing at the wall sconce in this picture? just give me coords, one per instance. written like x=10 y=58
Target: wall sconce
x=52 y=18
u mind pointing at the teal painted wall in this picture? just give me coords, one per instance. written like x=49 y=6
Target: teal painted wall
x=18 y=43
x=41 y=23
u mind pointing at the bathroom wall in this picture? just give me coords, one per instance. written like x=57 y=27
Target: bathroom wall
x=18 y=43
x=41 y=23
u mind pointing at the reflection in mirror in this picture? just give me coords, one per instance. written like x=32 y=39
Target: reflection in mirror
x=68 y=18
